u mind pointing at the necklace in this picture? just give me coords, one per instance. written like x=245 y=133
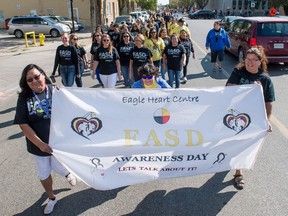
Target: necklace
x=45 y=109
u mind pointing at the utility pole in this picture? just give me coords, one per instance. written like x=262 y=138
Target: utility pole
x=72 y=16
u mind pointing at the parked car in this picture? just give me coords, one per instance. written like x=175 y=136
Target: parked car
x=62 y=20
x=137 y=15
x=204 y=14
x=123 y=18
x=145 y=14
x=19 y=25
x=270 y=32
x=79 y=24
x=227 y=20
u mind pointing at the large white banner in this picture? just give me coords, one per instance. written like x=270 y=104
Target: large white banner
x=116 y=137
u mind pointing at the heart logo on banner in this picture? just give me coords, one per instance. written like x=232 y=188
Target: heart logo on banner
x=86 y=127
x=237 y=123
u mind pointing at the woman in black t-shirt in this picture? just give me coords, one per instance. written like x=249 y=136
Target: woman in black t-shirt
x=124 y=48
x=253 y=71
x=33 y=115
x=139 y=55
x=107 y=58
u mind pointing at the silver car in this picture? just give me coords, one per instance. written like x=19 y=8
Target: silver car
x=21 y=24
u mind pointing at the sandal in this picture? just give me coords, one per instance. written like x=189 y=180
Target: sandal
x=220 y=69
x=239 y=181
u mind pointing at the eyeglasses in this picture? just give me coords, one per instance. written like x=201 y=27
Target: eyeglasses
x=147 y=77
x=251 y=60
x=35 y=77
x=126 y=36
x=138 y=40
x=105 y=40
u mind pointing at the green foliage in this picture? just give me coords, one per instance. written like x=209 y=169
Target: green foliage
x=147 y=4
x=277 y=3
x=186 y=3
x=201 y=3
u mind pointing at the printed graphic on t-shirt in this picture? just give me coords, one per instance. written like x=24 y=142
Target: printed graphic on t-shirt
x=125 y=49
x=106 y=56
x=65 y=54
x=39 y=109
x=174 y=52
x=140 y=56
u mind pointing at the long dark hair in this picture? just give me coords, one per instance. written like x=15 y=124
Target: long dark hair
x=25 y=89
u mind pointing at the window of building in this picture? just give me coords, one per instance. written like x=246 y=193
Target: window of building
x=240 y=4
x=234 y=4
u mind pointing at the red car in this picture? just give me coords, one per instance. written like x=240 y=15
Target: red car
x=270 y=32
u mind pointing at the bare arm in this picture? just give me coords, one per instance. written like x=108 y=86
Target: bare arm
x=32 y=136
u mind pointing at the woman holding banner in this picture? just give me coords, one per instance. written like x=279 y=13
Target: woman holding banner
x=253 y=71
x=148 y=74
x=33 y=114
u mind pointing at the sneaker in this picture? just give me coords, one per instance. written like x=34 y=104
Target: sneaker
x=50 y=206
x=185 y=79
x=71 y=179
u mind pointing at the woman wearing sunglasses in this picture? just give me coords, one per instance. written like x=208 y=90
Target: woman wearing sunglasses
x=149 y=78
x=67 y=59
x=95 y=45
x=82 y=58
x=124 y=48
x=107 y=58
x=33 y=115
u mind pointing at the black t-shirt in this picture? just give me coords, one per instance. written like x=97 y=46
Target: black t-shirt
x=94 y=48
x=174 y=56
x=124 y=52
x=36 y=115
x=242 y=77
x=66 y=55
x=107 y=61
x=188 y=46
x=134 y=32
x=140 y=56
x=116 y=38
x=80 y=52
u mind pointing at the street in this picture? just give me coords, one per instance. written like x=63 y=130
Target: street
x=211 y=194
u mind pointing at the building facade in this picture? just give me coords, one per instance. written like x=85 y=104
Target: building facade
x=238 y=7
x=81 y=9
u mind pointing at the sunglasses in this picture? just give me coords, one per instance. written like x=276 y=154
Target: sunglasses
x=75 y=38
x=105 y=40
x=153 y=32
x=35 y=77
x=97 y=35
x=126 y=36
x=147 y=77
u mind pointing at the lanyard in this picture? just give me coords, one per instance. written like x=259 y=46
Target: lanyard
x=45 y=109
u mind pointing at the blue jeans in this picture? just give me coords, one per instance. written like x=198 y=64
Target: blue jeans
x=171 y=75
x=78 y=80
x=163 y=72
x=67 y=74
x=125 y=73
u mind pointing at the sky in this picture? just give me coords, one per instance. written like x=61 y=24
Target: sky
x=163 y=2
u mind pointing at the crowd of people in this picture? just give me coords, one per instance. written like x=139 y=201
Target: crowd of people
x=139 y=53
x=117 y=53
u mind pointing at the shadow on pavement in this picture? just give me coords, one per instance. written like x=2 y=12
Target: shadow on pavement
x=206 y=200
x=74 y=204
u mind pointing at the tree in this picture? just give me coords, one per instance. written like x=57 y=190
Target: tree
x=186 y=3
x=277 y=3
x=147 y=4
x=201 y=3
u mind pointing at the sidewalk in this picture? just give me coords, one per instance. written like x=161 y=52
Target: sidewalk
x=14 y=56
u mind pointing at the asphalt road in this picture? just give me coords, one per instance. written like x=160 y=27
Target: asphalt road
x=212 y=194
